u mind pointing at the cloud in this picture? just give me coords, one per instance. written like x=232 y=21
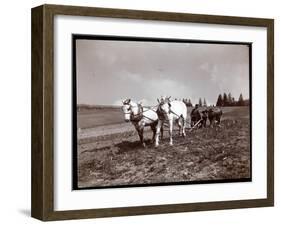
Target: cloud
x=118 y=102
x=205 y=67
x=107 y=71
x=156 y=88
x=129 y=76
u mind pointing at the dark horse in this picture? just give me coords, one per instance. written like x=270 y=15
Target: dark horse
x=214 y=115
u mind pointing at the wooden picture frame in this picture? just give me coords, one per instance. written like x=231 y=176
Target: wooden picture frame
x=42 y=205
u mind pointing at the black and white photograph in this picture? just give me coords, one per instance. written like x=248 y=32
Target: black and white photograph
x=159 y=112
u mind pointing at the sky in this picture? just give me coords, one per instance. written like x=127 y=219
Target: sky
x=110 y=71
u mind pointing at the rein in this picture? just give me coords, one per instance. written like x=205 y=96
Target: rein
x=170 y=111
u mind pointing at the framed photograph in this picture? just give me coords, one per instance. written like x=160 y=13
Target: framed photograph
x=142 y=112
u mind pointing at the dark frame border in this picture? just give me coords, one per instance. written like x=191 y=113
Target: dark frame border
x=42 y=180
x=76 y=37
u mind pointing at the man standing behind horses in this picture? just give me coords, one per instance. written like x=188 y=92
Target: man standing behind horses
x=195 y=115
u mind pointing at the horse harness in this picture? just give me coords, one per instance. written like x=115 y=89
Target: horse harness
x=161 y=113
x=139 y=116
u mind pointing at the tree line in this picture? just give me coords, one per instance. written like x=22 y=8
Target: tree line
x=200 y=102
x=228 y=100
x=223 y=100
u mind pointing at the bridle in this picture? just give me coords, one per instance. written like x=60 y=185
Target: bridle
x=160 y=112
x=136 y=117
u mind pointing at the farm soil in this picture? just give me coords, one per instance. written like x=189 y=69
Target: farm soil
x=207 y=154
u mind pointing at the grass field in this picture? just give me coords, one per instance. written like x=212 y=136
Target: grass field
x=99 y=117
x=110 y=154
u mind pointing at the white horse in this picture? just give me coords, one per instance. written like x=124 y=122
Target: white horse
x=171 y=110
x=141 y=117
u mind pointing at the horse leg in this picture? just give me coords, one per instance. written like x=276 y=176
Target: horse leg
x=192 y=122
x=159 y=127
x=211 y=123
x=153 y=128
x=161 y=132
x=140 y=132
x=171 y=130
x=180 y=125
x=219 y=120
x=183 y=126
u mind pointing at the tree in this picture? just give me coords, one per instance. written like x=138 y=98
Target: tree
x=200 y=102
x=219 y=101
x=189 y=103
x=240 y=100
x=225 y=100
x=230 y=100
x=204 y=103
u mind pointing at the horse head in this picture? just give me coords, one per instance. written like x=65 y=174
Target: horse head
x=132 y=111
x=127 y=109
x=164 y=106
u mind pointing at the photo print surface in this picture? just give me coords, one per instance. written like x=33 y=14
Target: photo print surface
x=159 y=112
